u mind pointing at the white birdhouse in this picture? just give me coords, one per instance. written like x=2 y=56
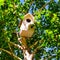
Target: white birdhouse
x=27 y=26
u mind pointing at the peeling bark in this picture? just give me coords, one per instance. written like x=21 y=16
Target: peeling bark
x=27 y=55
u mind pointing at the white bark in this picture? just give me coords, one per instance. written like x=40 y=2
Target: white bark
x=27 y=55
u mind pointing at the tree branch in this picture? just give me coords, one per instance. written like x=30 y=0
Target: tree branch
x=35 y=50
x=16 y=45
x=34 y=44
x=10 y=54
x=10 y=47
x=39 y=10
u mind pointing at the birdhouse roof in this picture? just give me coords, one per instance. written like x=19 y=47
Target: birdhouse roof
x=29 y=16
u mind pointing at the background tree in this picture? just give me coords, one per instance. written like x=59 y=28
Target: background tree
x=45 y=43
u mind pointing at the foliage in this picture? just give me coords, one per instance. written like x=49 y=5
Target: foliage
x=46 y=39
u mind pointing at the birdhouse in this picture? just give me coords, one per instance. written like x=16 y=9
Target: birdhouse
x=27 y=26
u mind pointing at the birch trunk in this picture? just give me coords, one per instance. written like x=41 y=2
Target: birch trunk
x=27 y=55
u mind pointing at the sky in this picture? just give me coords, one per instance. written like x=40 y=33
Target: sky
x=22 y=1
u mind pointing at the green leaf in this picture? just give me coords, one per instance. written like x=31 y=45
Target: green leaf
x=1 y=2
